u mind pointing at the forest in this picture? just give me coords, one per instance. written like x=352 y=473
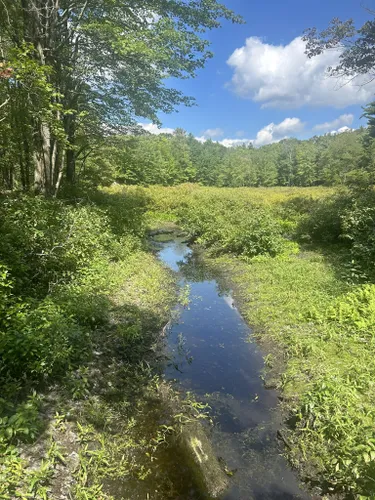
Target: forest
x=169 y=160
x=86 y=409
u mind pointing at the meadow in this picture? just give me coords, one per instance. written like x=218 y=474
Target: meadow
x=301 y=263
x=84 y=298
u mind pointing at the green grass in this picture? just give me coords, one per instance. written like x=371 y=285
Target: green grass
x=309 y=309
x=87 y=323
x=326 y=364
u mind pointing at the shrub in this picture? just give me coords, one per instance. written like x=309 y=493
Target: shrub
x=57 y=268
x=359 y=230
x=36 y=342
x=44 y=242
x=322 y=222
x=227 y=223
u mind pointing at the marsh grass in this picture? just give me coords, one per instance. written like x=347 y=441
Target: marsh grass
x=303 y=288
x=78 y=337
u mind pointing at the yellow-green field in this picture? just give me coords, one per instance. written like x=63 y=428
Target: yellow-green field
x=311 y=300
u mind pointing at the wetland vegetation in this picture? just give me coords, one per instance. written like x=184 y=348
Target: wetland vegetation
x=246 y=352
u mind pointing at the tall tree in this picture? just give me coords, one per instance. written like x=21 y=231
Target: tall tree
x=105 y=62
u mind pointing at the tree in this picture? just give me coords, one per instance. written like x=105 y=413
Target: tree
x=266 y=166
x=306 y=164
x=340 y=159
x=357 y=57
x=237 y=169
x=369 y=113
x=287 y=162
x=104 y=63
x=187 y=172
x=356 y=61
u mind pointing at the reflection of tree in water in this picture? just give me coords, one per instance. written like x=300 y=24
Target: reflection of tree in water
x=195 y=270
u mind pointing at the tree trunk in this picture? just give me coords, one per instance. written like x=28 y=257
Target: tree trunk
x=43 y=167
x=71 y=153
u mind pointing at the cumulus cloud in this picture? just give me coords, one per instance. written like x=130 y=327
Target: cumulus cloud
x=213 y=133
x=269 y=134
x=231 y=143
x=154 y=129
x=201 y=139
x=275 y=133
x=283 y=76
x=341 y=130
x=341 y=121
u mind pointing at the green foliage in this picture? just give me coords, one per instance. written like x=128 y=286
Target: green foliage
x=75 y=287
x=356 y=311
x=39 y=342
x=95 y=70
x=256 y=231
x=59 y=263
x=45 y=242
x=321 y=220
x=225 y=220
x=19 y=422
x=358 y=228
x=171 y=159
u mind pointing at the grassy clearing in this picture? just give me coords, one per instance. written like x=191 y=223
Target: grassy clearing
x=316 y=308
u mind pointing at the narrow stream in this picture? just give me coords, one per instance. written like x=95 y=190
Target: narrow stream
x=213 y=356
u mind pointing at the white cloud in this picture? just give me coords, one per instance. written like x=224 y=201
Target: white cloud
x=201 y=139
x=283 y=76
x=341 y=130
x=341 y=121
x=212 y=133
x=154 y=129
x=269 y=134
x=275 y=133
x=231 y=143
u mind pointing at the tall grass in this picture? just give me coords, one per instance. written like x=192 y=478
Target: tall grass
x=316 y=305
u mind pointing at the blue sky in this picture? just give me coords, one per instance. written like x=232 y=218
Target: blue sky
x=259 y=76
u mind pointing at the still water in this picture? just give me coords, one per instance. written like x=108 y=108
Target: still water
x=213 y=355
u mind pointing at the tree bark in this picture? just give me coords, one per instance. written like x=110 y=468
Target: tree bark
x=71 y=153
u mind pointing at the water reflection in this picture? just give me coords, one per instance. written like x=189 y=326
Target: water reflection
x=213 y=358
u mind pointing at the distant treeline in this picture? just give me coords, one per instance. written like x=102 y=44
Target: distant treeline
x=174 y=159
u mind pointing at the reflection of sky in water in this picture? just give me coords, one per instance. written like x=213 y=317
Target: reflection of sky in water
x=212 y=358
x=173 y=252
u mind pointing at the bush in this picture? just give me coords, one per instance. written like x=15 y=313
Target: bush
x=248 y=232
x=225 y=221
x=57 y=268
x=44 y=242
x=35 y=342
x=323 y=220
x=359 y=230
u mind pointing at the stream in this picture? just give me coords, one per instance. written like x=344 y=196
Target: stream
x=214 y=356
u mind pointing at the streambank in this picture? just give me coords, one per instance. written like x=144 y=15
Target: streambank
x=98 y=430
x=290 y=304
x=213 y=359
